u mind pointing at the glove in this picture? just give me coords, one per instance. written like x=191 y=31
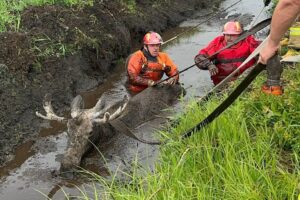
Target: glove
x=151 y=83
x=274 y=71
x=202 y=62
x=267 y=2
x=213 y=70
x=172 y=81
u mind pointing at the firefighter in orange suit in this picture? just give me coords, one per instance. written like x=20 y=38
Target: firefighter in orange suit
x=147 y=66
x=225 y=62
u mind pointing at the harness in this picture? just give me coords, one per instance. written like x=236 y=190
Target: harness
x=153 y=65
x=226 y=61
x=152 y=69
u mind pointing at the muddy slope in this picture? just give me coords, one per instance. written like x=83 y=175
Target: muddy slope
x=63 y=51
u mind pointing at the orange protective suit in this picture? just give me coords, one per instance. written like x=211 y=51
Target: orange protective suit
x=140 y=70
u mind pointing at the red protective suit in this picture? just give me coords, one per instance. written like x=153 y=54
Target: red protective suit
x=229 y=59
x=140 y=70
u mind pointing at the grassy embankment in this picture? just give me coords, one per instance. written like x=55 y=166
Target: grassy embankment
x=42 y=46
x=10 y=10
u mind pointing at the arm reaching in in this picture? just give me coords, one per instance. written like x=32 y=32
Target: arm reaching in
x=284 y=15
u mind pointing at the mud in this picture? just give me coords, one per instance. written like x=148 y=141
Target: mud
x=65 y=51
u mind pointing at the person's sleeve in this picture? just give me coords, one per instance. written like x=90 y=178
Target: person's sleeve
x=171 y=68
x=252 y=44
x=210 y=48
x=134 y=69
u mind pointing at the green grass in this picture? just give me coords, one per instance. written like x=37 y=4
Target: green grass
x=10 y=10
x=44 y=47
x=250 y=152
x=130 y=4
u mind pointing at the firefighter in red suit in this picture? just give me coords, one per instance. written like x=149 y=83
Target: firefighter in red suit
x=225 y=62
x=147 y=66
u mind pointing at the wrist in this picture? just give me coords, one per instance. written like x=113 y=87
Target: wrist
x=273 y=45
x=151 y=82
x=211 y=66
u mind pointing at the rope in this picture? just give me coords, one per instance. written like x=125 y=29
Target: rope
x=194 y=27
x=257 y=17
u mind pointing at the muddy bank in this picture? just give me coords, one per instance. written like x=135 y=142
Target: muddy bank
x=64 y=51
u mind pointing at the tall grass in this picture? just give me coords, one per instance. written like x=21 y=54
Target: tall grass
x=250 y=152
x=10 y=10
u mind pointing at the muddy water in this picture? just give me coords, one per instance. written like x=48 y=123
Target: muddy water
x=31 y=174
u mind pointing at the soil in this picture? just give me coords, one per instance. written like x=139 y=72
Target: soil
x=64 y=51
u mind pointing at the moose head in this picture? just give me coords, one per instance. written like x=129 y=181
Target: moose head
x=82 y=125
x=87 y=126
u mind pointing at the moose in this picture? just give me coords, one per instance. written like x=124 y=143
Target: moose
x=89 y=126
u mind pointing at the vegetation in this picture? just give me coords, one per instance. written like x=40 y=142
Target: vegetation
x=45 y=47
x=273 y=5
x=250 y=152
x=10 y=10
x=130 y=4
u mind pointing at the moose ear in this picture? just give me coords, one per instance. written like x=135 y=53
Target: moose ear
x=76 y=105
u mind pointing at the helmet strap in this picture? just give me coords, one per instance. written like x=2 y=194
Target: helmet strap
x=147 y=48
x=148 y=55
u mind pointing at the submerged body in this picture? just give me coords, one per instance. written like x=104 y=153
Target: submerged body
x=142 y=68
x=225 y=62
x=229 y=59
x=147 y=66
x=147 y=105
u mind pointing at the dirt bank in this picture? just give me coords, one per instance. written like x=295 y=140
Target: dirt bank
x=64 y=51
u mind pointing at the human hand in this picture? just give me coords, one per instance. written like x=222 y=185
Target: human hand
x=213 y=70
x=151 y=83
x=172 y=81
x=268 y=51
x=202 y=62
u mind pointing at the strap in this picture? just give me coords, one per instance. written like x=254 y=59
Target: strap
x=145 y=67
x=122 y=128
x=226 y=61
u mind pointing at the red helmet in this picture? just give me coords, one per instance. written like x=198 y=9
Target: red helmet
x=152 y=38
x=232 y=28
